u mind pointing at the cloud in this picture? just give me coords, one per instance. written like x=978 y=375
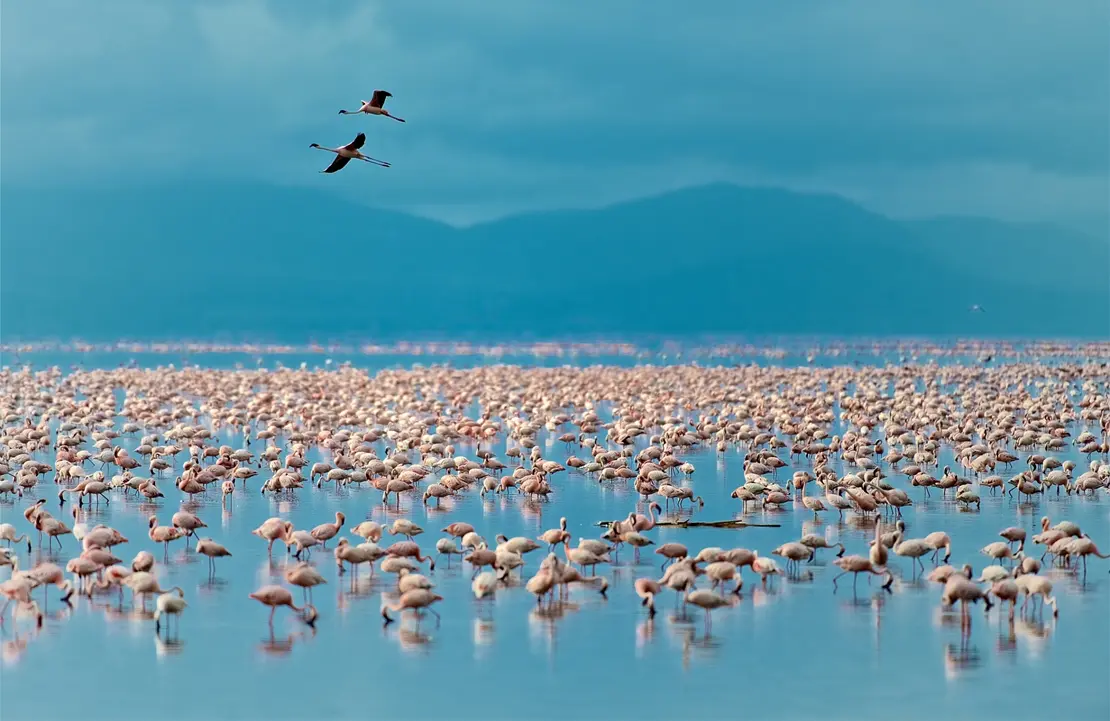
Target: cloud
x=993 y=107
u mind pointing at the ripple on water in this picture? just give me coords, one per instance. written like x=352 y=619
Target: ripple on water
x=791 y=648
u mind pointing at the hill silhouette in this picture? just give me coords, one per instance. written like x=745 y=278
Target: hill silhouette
x=221 y=261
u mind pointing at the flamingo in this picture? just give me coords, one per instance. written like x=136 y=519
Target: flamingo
x=187 y=523
x=458 y=529
x=305 y=576
x=567 y=575
x=1083 y=547
x=405 y=527
x=345 y=153
x=640 y=522
x=170 y=605
x=555 y=536
x=326 y=531
x=1033 y=585
x=143 y=584
x=447 y=547
x=417 y=600
x=208 y=547
x=409 y=549
x=856 y=565
x=370 y=531
x=707 y=601
x=274 y=596
x=362 y=553
x=163 y=534
x=671 y=552
x=484 y=584
x=273 y=529
x=374 y=106
x=960 y=589
x=541 y=584
x=721 y=571
x=815 y=542
x=113 y=576
x=1014 y=534
x=7 y=533
x=647 y=589
x=18 y=590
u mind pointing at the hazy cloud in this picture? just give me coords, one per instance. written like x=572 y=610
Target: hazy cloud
x=993 y=107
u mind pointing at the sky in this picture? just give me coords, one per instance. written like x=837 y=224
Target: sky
x=998 y=108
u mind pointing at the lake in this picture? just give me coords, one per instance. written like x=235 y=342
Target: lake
x=793 y=650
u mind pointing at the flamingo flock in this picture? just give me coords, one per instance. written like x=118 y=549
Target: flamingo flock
x=867 y=441
x=353 y=150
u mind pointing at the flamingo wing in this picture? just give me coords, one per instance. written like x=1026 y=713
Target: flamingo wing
x=357 y=143
x=337 y=164
x=379 y=98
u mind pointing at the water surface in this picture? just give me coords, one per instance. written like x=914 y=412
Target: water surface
x=792 y=650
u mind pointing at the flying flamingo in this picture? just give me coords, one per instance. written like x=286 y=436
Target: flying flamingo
x=344 y=154
x=374 y=106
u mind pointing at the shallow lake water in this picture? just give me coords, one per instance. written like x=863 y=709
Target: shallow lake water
x=794 y=649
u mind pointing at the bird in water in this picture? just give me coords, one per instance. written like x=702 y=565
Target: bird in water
x=169 y=605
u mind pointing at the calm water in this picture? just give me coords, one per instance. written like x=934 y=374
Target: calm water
x=793 y=650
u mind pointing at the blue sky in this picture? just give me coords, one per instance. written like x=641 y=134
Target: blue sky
x=912 y=108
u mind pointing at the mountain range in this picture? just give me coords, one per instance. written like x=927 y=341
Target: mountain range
x=222 y=261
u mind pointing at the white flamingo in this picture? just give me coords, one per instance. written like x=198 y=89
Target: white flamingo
x=374 y=106
x=344 y=154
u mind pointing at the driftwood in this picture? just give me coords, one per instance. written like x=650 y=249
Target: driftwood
x=735 y=523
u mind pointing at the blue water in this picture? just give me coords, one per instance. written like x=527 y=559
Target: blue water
x=795 y=650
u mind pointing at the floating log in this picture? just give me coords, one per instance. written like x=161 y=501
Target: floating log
x=734 y=523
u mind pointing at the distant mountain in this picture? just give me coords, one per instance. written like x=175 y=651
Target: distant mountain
x=241 y=261
x=1093 y=224
x=1037 y=253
